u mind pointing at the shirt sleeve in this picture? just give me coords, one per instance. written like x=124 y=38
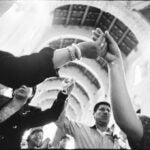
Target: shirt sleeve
x=144 y=143
x=69 y=126
x=36 y=117
x=26 y=70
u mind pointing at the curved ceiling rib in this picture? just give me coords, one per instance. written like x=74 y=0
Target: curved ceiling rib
x=56 y=83
x=81 y=78
x=46 y=99
x=85 y=15
x=84 y=71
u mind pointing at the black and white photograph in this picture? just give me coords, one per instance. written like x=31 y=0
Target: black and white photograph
x=74 y=74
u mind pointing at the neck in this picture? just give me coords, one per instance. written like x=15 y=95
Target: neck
x=30 y=145
x=19 y=102
x=102 y=126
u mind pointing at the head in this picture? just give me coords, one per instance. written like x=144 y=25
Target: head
x=63 y=142
x=102 y=113
x=35 y=139
x=24 y=93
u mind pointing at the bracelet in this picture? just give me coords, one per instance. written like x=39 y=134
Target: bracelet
x=78 y=51
x=101 y=61
x=71 y=54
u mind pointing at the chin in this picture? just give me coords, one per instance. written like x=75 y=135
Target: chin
x=20 y=97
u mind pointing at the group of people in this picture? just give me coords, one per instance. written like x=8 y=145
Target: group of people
x=23 y=72
x=35 y=140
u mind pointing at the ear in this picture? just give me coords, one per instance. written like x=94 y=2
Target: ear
x=94 y=115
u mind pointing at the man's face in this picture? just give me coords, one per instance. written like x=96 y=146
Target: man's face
x=102 y=114
x=36 y=138
x=23 y=92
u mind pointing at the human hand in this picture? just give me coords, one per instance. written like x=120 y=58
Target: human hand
x=45 y=143
x=68 y=85
x=113 y=53
x=92 y=49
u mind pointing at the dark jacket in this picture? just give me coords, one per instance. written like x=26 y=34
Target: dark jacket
x=27 y=70
x=12 y=129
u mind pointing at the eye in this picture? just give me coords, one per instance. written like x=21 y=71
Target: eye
x=102 y=109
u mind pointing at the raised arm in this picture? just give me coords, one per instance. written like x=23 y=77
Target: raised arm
x=123 y=111
x=32 y=69
x=57 y=138
x=63 y=120
x=37 y=117
x=26 y=70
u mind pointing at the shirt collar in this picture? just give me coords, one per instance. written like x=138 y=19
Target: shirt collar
x=107 y=132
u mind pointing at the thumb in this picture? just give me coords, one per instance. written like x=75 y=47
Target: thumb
x=109 y=38
x=109 y=57
x=101 y=38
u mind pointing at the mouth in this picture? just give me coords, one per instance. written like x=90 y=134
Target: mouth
x=22 y=90
x=105 y=116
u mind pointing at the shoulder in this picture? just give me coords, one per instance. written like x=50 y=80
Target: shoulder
x=47 y=50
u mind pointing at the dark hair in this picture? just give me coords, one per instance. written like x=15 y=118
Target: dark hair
x=101 y=103
x=65 y=137
x=32 y=132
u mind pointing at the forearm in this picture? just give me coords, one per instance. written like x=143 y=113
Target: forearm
x=57 y=106
x=26 y=70
x=35 y=114
x=57 y=138
x=124 y=113
x=64 y=55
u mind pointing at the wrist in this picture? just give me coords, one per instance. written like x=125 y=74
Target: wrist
x=77 y=51
x=71 y=51
x=116 y=63
x=81 y=46
x=74 y=52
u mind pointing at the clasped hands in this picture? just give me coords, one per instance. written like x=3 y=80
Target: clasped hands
x=109 y=50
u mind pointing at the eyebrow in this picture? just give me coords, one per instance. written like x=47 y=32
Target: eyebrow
x=105 y=108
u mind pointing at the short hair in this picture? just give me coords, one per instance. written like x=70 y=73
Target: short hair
x=65 y=137
x=33 y=131
x=100 y=103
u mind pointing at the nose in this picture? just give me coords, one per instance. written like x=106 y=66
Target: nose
x=106 y=112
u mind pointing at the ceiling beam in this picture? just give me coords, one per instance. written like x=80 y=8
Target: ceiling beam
x=98 y=18
x=123 y=36
x=139 y=5
x=85 y=14
x=75 y=40
x=112 y=23
x=61 y=42
x=69 y=14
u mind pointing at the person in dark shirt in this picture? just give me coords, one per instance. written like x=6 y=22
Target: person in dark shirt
x=137 y=128
x=32 y=69
x=22 y=116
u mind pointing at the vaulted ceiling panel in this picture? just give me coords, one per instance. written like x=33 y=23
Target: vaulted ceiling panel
x=84 y=15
